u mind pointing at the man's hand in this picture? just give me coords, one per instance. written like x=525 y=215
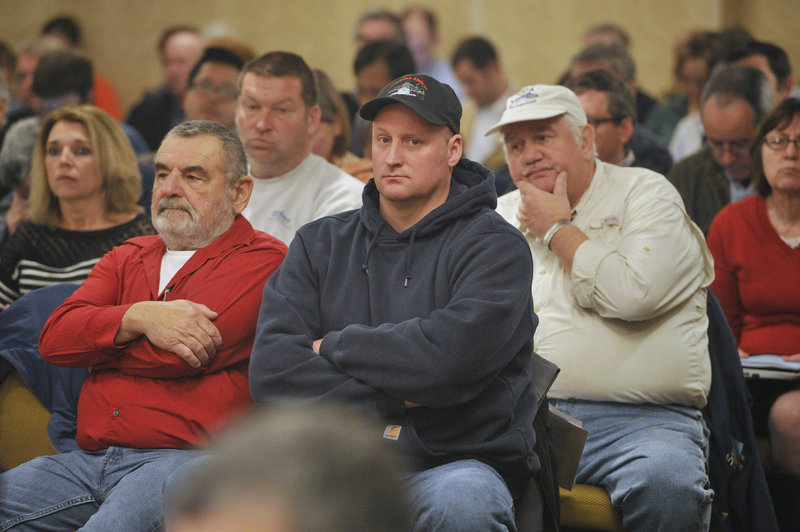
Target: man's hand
x=539 y=210
x=315 y=346
x=742 y=354
x=792 y=358
x=181 y=327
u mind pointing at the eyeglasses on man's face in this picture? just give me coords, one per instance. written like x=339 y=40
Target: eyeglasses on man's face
x=594 y=122
x=226 y=93
x=733 y=146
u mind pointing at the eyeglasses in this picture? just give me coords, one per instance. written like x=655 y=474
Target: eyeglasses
x=597 y=121
x=781 y=143
x=226 y=93
x=734 y=146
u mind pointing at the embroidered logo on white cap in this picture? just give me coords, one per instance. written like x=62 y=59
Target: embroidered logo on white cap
x=524 y=96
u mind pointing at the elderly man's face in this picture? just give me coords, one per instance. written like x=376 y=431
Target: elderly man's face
x=192 y=205
x=538 y=150
x=212 y=94
x=728 y=127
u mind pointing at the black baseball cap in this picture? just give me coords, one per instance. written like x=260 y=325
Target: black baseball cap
x=433 y=101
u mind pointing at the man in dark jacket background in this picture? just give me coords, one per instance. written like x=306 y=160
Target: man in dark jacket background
x=417 y=309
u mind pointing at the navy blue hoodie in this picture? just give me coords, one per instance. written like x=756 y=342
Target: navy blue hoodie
x=439 y=315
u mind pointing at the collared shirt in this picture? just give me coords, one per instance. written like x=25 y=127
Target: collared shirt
x=629 y=324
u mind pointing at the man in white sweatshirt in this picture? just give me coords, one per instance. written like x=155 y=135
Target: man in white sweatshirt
x=276 y=117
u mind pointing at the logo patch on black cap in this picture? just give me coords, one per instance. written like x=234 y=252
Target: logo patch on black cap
x=408 y=86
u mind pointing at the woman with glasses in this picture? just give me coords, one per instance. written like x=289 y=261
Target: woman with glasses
x=85 y=185
x=756 y=247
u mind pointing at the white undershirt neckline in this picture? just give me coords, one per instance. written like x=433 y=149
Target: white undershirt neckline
x=171 y=262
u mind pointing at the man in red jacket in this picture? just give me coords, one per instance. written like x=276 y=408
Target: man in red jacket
x=165 y=323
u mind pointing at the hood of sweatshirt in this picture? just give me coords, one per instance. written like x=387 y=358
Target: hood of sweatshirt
x=471 y=190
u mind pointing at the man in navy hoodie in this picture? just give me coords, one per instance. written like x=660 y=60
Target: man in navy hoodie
x=417 y=309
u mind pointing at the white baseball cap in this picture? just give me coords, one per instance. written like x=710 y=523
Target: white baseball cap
x=536 y=102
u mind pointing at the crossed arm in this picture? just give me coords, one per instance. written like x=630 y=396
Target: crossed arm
x=446 y=357
x=95 y=328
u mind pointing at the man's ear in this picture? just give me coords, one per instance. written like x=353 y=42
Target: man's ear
x=626 y=130
x=241 y=193
x=587 y=141
x=455 y=146
x=314 y=117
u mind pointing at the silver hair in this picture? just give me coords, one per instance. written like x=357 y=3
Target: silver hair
x=17 y=154
x=235 y=157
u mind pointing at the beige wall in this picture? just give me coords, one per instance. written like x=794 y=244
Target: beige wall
x=535 y=38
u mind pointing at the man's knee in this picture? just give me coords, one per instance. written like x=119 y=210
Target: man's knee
x=784 y=416
x=473 y=497
x=669 y=489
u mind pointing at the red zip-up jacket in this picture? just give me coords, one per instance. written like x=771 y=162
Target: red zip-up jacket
x=138 y=395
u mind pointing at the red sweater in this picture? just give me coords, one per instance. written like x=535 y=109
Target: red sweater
x=141 y=396
x=757 y=279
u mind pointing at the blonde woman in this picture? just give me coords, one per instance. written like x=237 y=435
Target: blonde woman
x=85 y=185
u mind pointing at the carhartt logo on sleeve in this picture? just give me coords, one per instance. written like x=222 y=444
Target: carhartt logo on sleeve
x=392 y=432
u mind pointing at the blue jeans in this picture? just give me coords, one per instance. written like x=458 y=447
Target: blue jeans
x=650 y=458
x=461 y=495
x=114 y=489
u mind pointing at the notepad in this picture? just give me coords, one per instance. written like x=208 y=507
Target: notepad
x=770 y=367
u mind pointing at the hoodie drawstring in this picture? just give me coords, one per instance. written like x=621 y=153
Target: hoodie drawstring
x=370 y=246
x=374 y=242
x=407 y=275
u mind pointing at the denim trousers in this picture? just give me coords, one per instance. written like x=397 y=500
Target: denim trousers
x=650 y=458
x=114 y=489
x=460 y=496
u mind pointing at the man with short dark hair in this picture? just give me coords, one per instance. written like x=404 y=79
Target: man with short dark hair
x=620 y=289
x=212 y=86
x=416 y=309
x=165 y=323
x=767 y=57
x=276 y=117
x=477 y=66
x=179 y=48
x=609 y=107
x=616 y=59
x=735 y=100
x=376 y=64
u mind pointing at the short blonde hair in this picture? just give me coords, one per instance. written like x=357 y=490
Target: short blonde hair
x=114 y=157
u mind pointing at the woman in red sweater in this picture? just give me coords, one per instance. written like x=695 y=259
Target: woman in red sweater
x=756 y=247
